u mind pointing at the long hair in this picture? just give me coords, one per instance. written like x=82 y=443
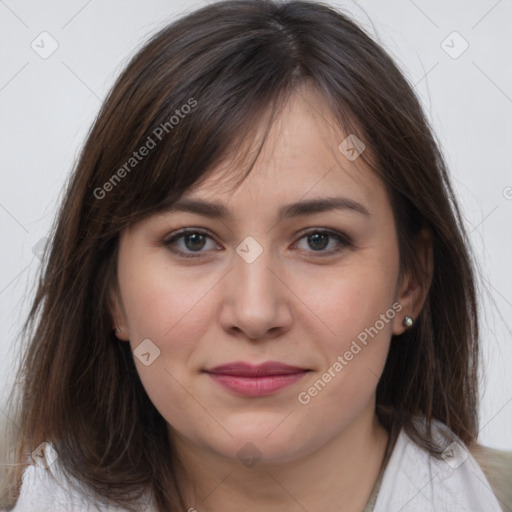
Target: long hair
x=192 y=95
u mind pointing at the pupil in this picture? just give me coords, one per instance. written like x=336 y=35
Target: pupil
x=196 y=238
x=323 y=238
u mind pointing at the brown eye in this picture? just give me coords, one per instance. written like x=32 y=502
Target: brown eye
x=189 y=242
x=318 y=240
x=194 y=242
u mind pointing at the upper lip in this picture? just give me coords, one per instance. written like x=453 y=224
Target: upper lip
x=243 y=369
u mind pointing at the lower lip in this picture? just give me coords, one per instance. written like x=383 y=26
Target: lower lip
x=256 y=386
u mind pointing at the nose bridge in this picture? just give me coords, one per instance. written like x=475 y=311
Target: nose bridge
x=254 y=300
x=253 y=281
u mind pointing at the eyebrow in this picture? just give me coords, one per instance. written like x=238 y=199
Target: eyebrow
x=308 y=207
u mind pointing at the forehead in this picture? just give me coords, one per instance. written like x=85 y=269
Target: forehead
x=306 y=154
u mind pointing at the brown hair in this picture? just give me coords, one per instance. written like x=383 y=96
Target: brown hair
x=232 y=63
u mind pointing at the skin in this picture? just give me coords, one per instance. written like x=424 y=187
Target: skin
x=291 y=305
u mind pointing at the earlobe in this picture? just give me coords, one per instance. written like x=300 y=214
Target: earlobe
x=414 y=286
x=118 y=317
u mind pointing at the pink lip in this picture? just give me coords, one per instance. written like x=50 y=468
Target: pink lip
x=256 y=380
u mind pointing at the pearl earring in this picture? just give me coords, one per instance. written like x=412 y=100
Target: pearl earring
x=408 y=321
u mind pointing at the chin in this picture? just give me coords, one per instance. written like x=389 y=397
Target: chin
x=252 y=445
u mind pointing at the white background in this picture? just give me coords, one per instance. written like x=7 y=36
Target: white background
x=47 y=106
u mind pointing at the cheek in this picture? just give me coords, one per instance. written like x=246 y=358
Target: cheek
x=357 y=314
x=348 y=301
x=162 y=302
x=172 y=309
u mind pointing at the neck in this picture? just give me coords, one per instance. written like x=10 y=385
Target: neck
x=337 y=477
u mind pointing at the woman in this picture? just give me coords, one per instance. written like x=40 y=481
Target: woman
x=259 y=293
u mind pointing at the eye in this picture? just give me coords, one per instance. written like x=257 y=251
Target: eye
x=194 y=240
x=318 y=240
x=191 y=242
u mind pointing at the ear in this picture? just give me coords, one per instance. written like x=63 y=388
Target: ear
x=413 y=289
x=118 y=314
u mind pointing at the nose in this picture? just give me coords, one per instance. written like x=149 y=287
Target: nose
x=256 y=303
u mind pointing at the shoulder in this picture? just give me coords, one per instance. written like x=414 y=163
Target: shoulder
x=497 y=466
x=415 y=481
x=45 y=489
x=48 y=489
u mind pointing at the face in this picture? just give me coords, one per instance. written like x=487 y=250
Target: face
x=318 y=291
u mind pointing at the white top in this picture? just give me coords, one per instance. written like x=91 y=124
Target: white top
x=41 y=493
x=412 y=481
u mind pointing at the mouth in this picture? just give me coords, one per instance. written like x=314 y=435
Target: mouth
x=256 y=380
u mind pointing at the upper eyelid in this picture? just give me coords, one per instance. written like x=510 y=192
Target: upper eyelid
x=302 y=232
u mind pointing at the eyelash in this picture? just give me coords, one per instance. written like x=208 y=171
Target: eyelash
x=343 y=239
